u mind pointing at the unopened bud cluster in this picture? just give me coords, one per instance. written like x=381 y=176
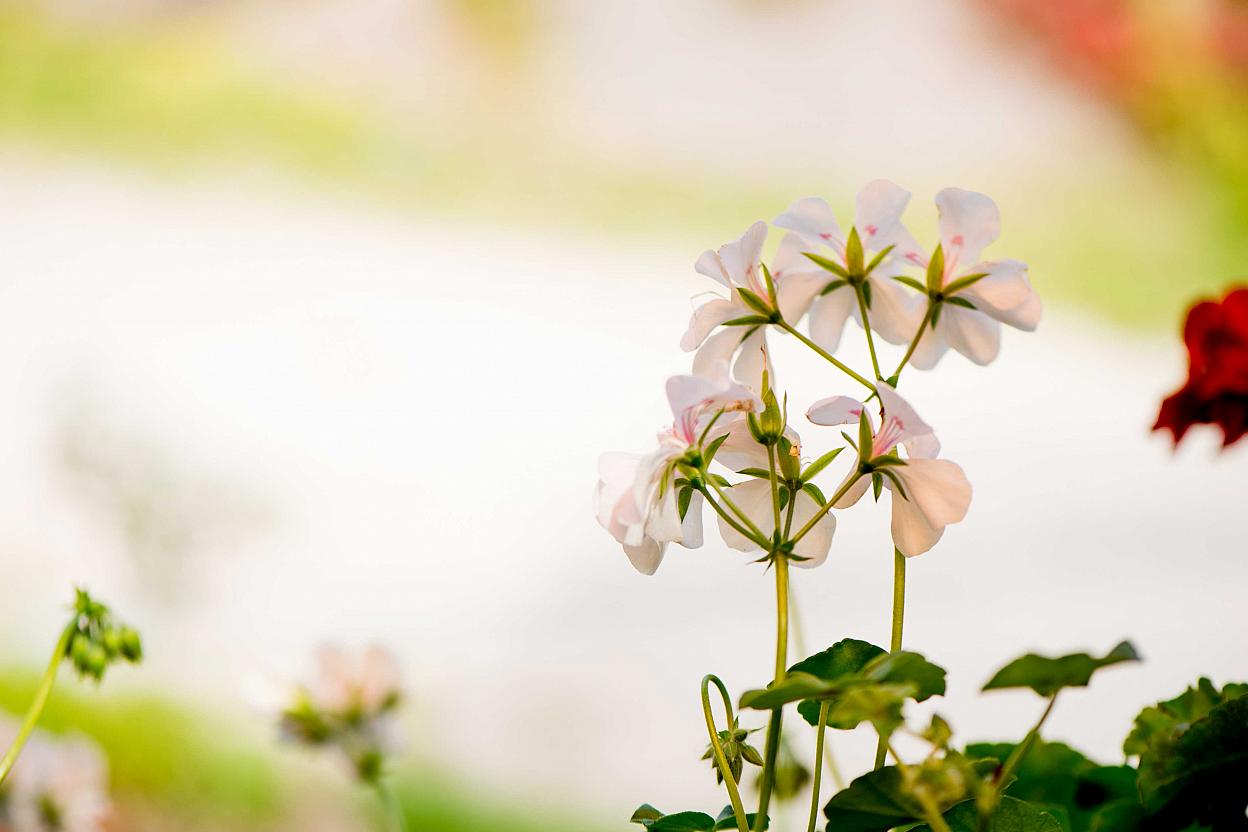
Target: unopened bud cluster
x=97 y=639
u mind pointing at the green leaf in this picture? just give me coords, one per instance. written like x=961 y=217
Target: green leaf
x=814 y=468
x=911 y=282
x=645 y=815
x=905 y=667
x=936 y=269
x=1011 y=815
x=748 y=320
x=730 y=822
x=874 y=802
x=880 y=704
x=1046 y=676
x=845 y=658
x=1056 y=775
x=684 y=822
x=1197 y=775
x=792 y=688
x=830 y=265
x=1118 y=816
x=1177 y=713
x=854 y=253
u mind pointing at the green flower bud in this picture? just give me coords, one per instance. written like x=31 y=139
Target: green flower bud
x=112 y=641
x=97 y=661
x=79 y=653
x=131 y=645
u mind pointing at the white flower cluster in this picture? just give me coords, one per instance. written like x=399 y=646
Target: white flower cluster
x=876 y=274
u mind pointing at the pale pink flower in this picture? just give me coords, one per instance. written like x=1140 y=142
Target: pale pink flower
x=936 y=491
x=59 y=784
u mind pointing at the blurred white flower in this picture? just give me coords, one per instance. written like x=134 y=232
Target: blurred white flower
x=636 y=500
x=737 y=266
x=969 y=222
x=894 y=312
x=59 y=784
x=936 y=492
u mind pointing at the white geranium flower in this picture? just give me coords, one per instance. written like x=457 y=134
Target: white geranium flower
x=57 y=785
x=741 y=451
x=736 y=266
x=636 y=499
x=348 y=683
x=969 y=222
x=894 y=313
x=936 y=492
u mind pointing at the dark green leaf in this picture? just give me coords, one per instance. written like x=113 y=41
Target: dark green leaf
x=730 y=822
x=1198 y=775
x=813 y=469
x=684 y=822
x=1177 y=713
x=874 y=802
x=845 y=658
x=792 y=688
x=905 y=667
x=1012 y=815
x=1046 y=675
x=824 y=263
x=645 y=815
x=1118 y=816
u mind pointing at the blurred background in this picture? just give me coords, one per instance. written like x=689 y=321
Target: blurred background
x=316 y=314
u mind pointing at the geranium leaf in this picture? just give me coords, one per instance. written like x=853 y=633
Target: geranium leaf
x=874 y=802
x=645 y=815
x=846 y=657
x=684 y=822
x=905 y=667
x=792 y=688
x=1186 y=708
x=1011 y=815
x=1046 y=676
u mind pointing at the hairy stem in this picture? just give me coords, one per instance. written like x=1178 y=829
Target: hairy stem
x=41 y=699
x=734 y=793
x=773 y=726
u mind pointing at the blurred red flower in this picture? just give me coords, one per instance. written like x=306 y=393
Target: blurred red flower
x=1216 y=391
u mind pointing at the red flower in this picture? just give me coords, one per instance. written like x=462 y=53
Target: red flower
x=1216 y=392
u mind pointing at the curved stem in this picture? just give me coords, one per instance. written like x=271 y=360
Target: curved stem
x=774 y=725
x=734 y=793
x=899 y=615
x=731 y=521
x=824 y=707
x=866 y=327
x=41 y=699
x=810 y=524
x=390 y=803
x=745 y=518
x=840 y=365
x=918 y=336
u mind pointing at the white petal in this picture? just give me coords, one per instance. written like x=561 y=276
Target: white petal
x=1006 y=294
x=813 y=219
x=646 y=557
x=617 y=472
x=878 y=218
x=750 y=362
x=741 y=258
x=913 y=428
x=663 y=522
x=938 y=494
x=796 y=292
x=930 y=348
x=717 y=349
x=895 y=311
x=739 y=450
x=828 y=315
x=705 y=318
x=754 y=498
x=971 y=333
x=710 y=264
x=855 y=492
x=836 y=410
x=691 y=526
x=815 y=544
x=969 y=221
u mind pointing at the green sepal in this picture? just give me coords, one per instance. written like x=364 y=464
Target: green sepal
x=814 y=492
x=832 y=286
x=854 y=253
x=713 y=448
x=748 y=320
x=1046 y=676
x=879 y=258
x=770 y=281
x=814 y=468
x=898 y=488
x=936 y=269
x=877 y=485
x=963 y=302
x=964 y=282
x=720 y=480
x=682 y=501
x=864 y=432
x=935 y=316
x=824 y=263
x=754 y=302
x=910 y=281
x=866 y=293
x=760 y=473
x=849 y=439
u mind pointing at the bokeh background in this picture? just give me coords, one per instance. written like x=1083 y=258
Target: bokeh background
x=316 y=314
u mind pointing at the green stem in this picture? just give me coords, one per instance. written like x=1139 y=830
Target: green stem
x=810 y=524
x=745 y=518
x=899 y=615
x=866 y=327
x=731 y=521
x=41 y=699
x=773 y=726
x=775 y=490
x=1020 y=751
x=787 y=327
x=918 y=336
x=931 y=810
x=734 y=793
x=390 y=803
x=824 y=707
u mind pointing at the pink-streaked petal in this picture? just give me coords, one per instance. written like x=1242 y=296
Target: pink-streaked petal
x=969 y=222
x=828 y=315
x=971 y=333
x=704 y=320
x=710 y=264
x=836 y=410
x=813 y=219
x=741 y=258
x=879 y=209
x=899 y=411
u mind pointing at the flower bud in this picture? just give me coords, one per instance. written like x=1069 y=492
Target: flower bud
x=112 y=641
x=131 y=645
